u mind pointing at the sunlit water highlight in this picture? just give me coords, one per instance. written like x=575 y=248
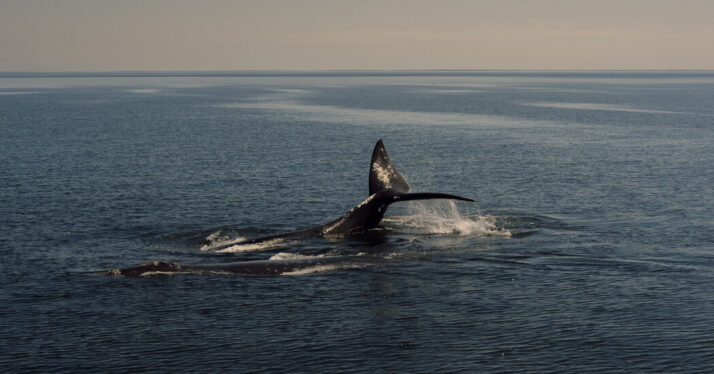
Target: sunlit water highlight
x=599 y=106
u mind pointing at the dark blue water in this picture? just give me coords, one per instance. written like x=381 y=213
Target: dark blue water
x=591 y=247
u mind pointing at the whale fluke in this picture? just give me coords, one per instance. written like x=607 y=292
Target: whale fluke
x=382 y=173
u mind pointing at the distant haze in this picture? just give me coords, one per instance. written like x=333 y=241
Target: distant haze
x=120 y=35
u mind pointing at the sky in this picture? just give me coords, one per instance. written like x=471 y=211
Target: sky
x=169 y=35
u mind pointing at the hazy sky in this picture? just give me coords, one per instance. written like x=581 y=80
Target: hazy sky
x=111 y=35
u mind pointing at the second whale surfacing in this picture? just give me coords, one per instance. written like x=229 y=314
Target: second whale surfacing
x=386 y=186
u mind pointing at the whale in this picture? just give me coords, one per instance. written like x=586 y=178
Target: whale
x=386 y=186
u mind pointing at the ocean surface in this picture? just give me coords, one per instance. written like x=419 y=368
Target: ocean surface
x=591 y=247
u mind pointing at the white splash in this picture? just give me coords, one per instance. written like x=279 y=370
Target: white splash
x=443 y=217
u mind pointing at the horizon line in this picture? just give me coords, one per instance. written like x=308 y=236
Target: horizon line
x=249 y=72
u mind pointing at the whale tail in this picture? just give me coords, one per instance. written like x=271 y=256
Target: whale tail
x=385 y=180
x=386 y=186
x=382 y=173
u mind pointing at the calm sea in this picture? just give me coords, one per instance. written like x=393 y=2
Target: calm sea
x=591 y=247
